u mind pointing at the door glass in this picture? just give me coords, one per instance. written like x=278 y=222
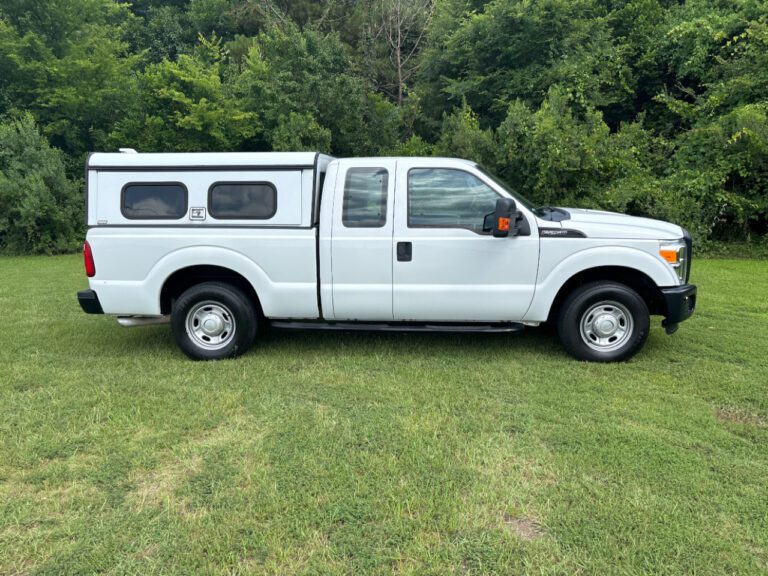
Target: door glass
x=365 y=198
x=448 y=198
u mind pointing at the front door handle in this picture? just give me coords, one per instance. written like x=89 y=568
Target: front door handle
x=404 y=251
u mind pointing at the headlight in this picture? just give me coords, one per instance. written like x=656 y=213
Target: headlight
x=675 y=254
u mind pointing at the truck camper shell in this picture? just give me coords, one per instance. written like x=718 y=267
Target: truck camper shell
x=296 y=178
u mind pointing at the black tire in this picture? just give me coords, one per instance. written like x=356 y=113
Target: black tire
x=213 y=321
x=603 y=322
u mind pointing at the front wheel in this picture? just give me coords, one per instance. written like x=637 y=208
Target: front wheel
x=212 y=321
x=603 y=322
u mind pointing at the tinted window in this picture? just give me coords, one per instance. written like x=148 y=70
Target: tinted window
x=447 y=198
x=365 y=198
x=242 y=200
x=154 y=201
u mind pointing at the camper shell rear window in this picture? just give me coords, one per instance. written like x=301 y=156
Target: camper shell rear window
x=154 y=200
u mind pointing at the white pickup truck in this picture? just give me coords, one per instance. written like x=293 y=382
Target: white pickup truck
x=222 y=244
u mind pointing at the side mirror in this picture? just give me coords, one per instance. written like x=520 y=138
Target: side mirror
x=504 y=220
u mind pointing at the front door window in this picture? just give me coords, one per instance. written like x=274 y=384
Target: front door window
x=448 y=198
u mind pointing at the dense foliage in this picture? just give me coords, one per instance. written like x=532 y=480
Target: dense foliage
x=651 y=107
x=42 y=210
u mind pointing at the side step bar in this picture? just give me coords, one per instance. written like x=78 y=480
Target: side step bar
x=471 y=328
x=136 y=321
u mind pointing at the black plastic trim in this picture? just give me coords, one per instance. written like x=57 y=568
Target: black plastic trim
x=89 y=302
x=315 y=210
x=317 y=273
x=561 y=233
x=244 y=183
x=315 y=191
x=552 y=214
x=404 y=251
x=463 y=327
x=680 y=303
x=128 y=184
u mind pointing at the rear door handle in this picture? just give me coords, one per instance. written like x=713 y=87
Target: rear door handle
x=404 y=251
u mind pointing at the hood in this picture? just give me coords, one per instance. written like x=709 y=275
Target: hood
x=600 y=224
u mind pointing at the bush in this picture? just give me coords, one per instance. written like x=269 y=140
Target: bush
x=300 y=132
x=42 y=211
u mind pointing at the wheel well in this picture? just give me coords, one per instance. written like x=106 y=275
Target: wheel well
x=185 y=278
x=638 y=281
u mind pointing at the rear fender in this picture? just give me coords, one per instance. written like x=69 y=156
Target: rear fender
x=143 y=297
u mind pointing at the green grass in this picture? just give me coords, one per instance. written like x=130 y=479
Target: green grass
x=423 y=454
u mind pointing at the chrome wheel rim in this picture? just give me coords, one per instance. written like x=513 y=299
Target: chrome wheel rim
x=210 y=325
x=606 y=326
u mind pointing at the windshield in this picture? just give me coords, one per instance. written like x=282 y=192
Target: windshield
x=507 y=188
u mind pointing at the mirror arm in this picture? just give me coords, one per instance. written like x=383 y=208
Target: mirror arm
x=488 y=221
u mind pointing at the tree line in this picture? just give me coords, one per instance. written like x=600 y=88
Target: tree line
x=651 y=107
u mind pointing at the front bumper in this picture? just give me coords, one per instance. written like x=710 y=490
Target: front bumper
x=680 y=303
x=89 y=302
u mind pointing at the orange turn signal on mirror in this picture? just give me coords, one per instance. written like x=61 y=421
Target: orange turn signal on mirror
x=503 y=224
x=670 y=255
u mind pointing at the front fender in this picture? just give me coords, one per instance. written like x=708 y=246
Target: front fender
x=549 y=285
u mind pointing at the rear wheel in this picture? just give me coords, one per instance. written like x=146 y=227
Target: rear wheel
x=603 y=322
x=212 y=321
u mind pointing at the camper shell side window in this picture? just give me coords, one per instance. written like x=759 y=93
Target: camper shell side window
x=242 y=200
x=154 y=200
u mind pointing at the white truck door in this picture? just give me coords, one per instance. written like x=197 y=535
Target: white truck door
x=445 y=268
x=361 y=239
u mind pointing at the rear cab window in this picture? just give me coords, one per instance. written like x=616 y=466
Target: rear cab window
x=365 y=198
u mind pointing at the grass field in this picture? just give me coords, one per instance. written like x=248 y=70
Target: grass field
x=357 y=454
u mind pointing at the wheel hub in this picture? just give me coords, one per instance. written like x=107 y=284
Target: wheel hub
x=606 y=326
x=210 y=325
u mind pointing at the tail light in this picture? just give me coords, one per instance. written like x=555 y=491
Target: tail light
x=90 y=267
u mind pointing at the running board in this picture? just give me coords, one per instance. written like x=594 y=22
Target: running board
x=470 y=328
x=134 y=321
